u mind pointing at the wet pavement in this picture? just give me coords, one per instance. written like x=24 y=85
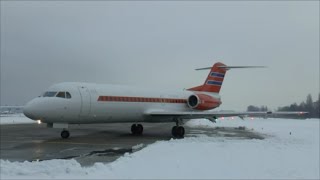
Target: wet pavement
x=89 y=144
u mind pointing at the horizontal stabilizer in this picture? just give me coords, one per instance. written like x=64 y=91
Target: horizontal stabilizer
x=231 y=67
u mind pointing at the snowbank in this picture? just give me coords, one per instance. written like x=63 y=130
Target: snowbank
x=280 y=155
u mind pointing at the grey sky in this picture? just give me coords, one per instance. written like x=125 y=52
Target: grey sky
x=159 y=44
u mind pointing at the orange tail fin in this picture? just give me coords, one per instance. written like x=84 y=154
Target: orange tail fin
x=214 y=80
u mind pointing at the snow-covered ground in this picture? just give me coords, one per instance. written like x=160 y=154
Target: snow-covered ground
x=290 y=150
x=15 y=119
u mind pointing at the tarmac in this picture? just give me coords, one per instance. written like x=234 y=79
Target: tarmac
x=93 y=143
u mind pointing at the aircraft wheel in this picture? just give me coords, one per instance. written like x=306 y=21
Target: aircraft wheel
x=174 y=131
x=133 y=128
x=65 y=134
x=139 y=129
x=178 y=131
x=181 y=131
x=136 y=129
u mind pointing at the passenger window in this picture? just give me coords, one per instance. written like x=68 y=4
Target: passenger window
x=61 y=94
x=49 y=94
x=68 y=95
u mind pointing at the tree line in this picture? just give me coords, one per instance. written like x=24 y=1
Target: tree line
x=313 y=107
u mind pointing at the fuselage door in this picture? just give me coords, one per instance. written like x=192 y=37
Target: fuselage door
x=85 y=101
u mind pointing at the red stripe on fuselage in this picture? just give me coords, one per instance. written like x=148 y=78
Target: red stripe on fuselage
x=140 y=99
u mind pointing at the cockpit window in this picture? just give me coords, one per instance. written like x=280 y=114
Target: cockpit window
x=68 y=95
x=49 y=94
x=61 y=94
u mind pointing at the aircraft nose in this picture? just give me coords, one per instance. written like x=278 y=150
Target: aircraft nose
x=29 y=110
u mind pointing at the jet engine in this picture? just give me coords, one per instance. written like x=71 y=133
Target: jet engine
x=203 y=102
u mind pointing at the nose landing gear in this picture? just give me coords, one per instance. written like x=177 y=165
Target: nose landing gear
x=65 y=134
x=137 y=129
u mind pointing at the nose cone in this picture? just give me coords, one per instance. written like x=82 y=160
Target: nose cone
x=29 y=110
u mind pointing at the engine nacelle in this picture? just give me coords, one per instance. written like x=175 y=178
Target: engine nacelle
x=203 y=102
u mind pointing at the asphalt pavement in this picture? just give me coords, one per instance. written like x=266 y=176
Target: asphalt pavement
x=95 y=142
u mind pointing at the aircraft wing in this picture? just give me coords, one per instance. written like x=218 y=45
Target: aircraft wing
x=215 y=114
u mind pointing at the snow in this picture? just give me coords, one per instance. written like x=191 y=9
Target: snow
x=278 y=156
x=200 y=123
x=15 y=119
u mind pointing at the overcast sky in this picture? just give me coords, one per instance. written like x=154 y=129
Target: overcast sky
x=159 y=44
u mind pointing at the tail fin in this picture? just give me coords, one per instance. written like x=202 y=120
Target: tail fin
x=216 y=76
x=214 y=80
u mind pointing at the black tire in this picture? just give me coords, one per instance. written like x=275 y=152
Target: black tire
x=134 y=129
x=174 y=131
x=180 y=131
x=65 y=134
x=139 y=129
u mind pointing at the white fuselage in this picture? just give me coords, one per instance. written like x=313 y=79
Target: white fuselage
x=99 y=103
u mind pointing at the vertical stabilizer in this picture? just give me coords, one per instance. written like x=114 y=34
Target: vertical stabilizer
x=214 y=80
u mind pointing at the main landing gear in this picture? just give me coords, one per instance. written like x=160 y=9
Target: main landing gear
x=136 y=129
x=178 y=131
x=65 y=134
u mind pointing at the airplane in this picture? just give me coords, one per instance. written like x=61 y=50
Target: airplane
x=87 y=103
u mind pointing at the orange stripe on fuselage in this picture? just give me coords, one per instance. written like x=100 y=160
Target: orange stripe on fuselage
x=140 y=99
